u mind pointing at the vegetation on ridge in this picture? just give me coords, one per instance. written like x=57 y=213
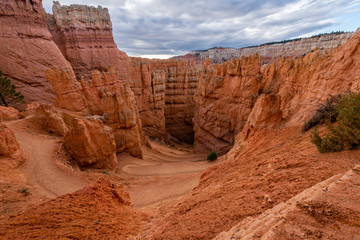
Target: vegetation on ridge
x=8 y=93
x=345 y=135
x=325 y=113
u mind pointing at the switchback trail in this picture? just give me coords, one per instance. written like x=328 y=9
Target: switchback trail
x=41 y=169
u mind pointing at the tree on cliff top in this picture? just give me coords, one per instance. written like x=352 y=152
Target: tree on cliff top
x=8 y=93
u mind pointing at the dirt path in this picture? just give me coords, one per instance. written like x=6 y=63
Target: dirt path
x=48 y=177
x=164 y=174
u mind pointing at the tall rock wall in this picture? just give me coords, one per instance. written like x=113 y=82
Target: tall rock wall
x=27 y=49
x=292 y=48
x=84 y=36
x=148 y=85
x=165 y=90
x=181 y=82
x=227 y=93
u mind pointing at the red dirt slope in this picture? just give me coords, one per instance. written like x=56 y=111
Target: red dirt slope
x=100 y=211
x=273 y=167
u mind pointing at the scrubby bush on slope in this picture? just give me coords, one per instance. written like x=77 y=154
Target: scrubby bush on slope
x=345 y=134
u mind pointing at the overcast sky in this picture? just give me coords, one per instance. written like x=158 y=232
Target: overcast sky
x=163 y=28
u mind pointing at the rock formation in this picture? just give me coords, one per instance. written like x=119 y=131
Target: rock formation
x=104 y=95
x=9 y=147
x=315 y=213
x=91 y=143
x=50 y=119
x=27 y=49
x=164 y=90
x=148 y=85
x=84 y=214
x=292 y=48
x=224 y=101
x=8 y=113
x=84 y=36
x=182 y=80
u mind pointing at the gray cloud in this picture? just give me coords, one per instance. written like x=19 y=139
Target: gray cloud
x=150 y=27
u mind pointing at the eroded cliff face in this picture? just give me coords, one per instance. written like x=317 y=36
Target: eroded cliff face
x=84 y=36
x=106 y=96
x=294 y=48
x=27 y=49
x=164 y=90
x=181 y=82
x=224 y=101
x=148 y=85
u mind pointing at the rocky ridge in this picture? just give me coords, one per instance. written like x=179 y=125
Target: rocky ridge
x=291 y=48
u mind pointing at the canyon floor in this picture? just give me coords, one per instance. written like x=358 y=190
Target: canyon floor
x=166 y=172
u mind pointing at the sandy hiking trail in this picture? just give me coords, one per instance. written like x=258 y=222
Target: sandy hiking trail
x=41 y=169
x=165 y=173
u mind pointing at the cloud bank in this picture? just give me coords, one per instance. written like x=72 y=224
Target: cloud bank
x=164 y=28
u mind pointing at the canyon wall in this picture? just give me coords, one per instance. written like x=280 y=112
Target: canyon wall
x=272 y=159
x=286 y=92
x=181 y=82
x=291 y=48
x=148 y=85
x=84 y=36
x=164 y=90
x=27 y=49
x=227 y=92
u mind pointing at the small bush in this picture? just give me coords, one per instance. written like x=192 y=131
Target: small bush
x=8 y=93
x=325 y=113
x=346 y=134
x=212 y=156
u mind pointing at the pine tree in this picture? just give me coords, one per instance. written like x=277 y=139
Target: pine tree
x=8 y=93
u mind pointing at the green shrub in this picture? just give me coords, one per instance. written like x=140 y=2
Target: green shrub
x=325 y=113
x=212 y=156
x=8 y=93
x=345 y=135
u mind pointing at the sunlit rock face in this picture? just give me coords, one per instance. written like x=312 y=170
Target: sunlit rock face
x=27 y=49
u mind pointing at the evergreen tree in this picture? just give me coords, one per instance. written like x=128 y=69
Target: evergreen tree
x=8 y=93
